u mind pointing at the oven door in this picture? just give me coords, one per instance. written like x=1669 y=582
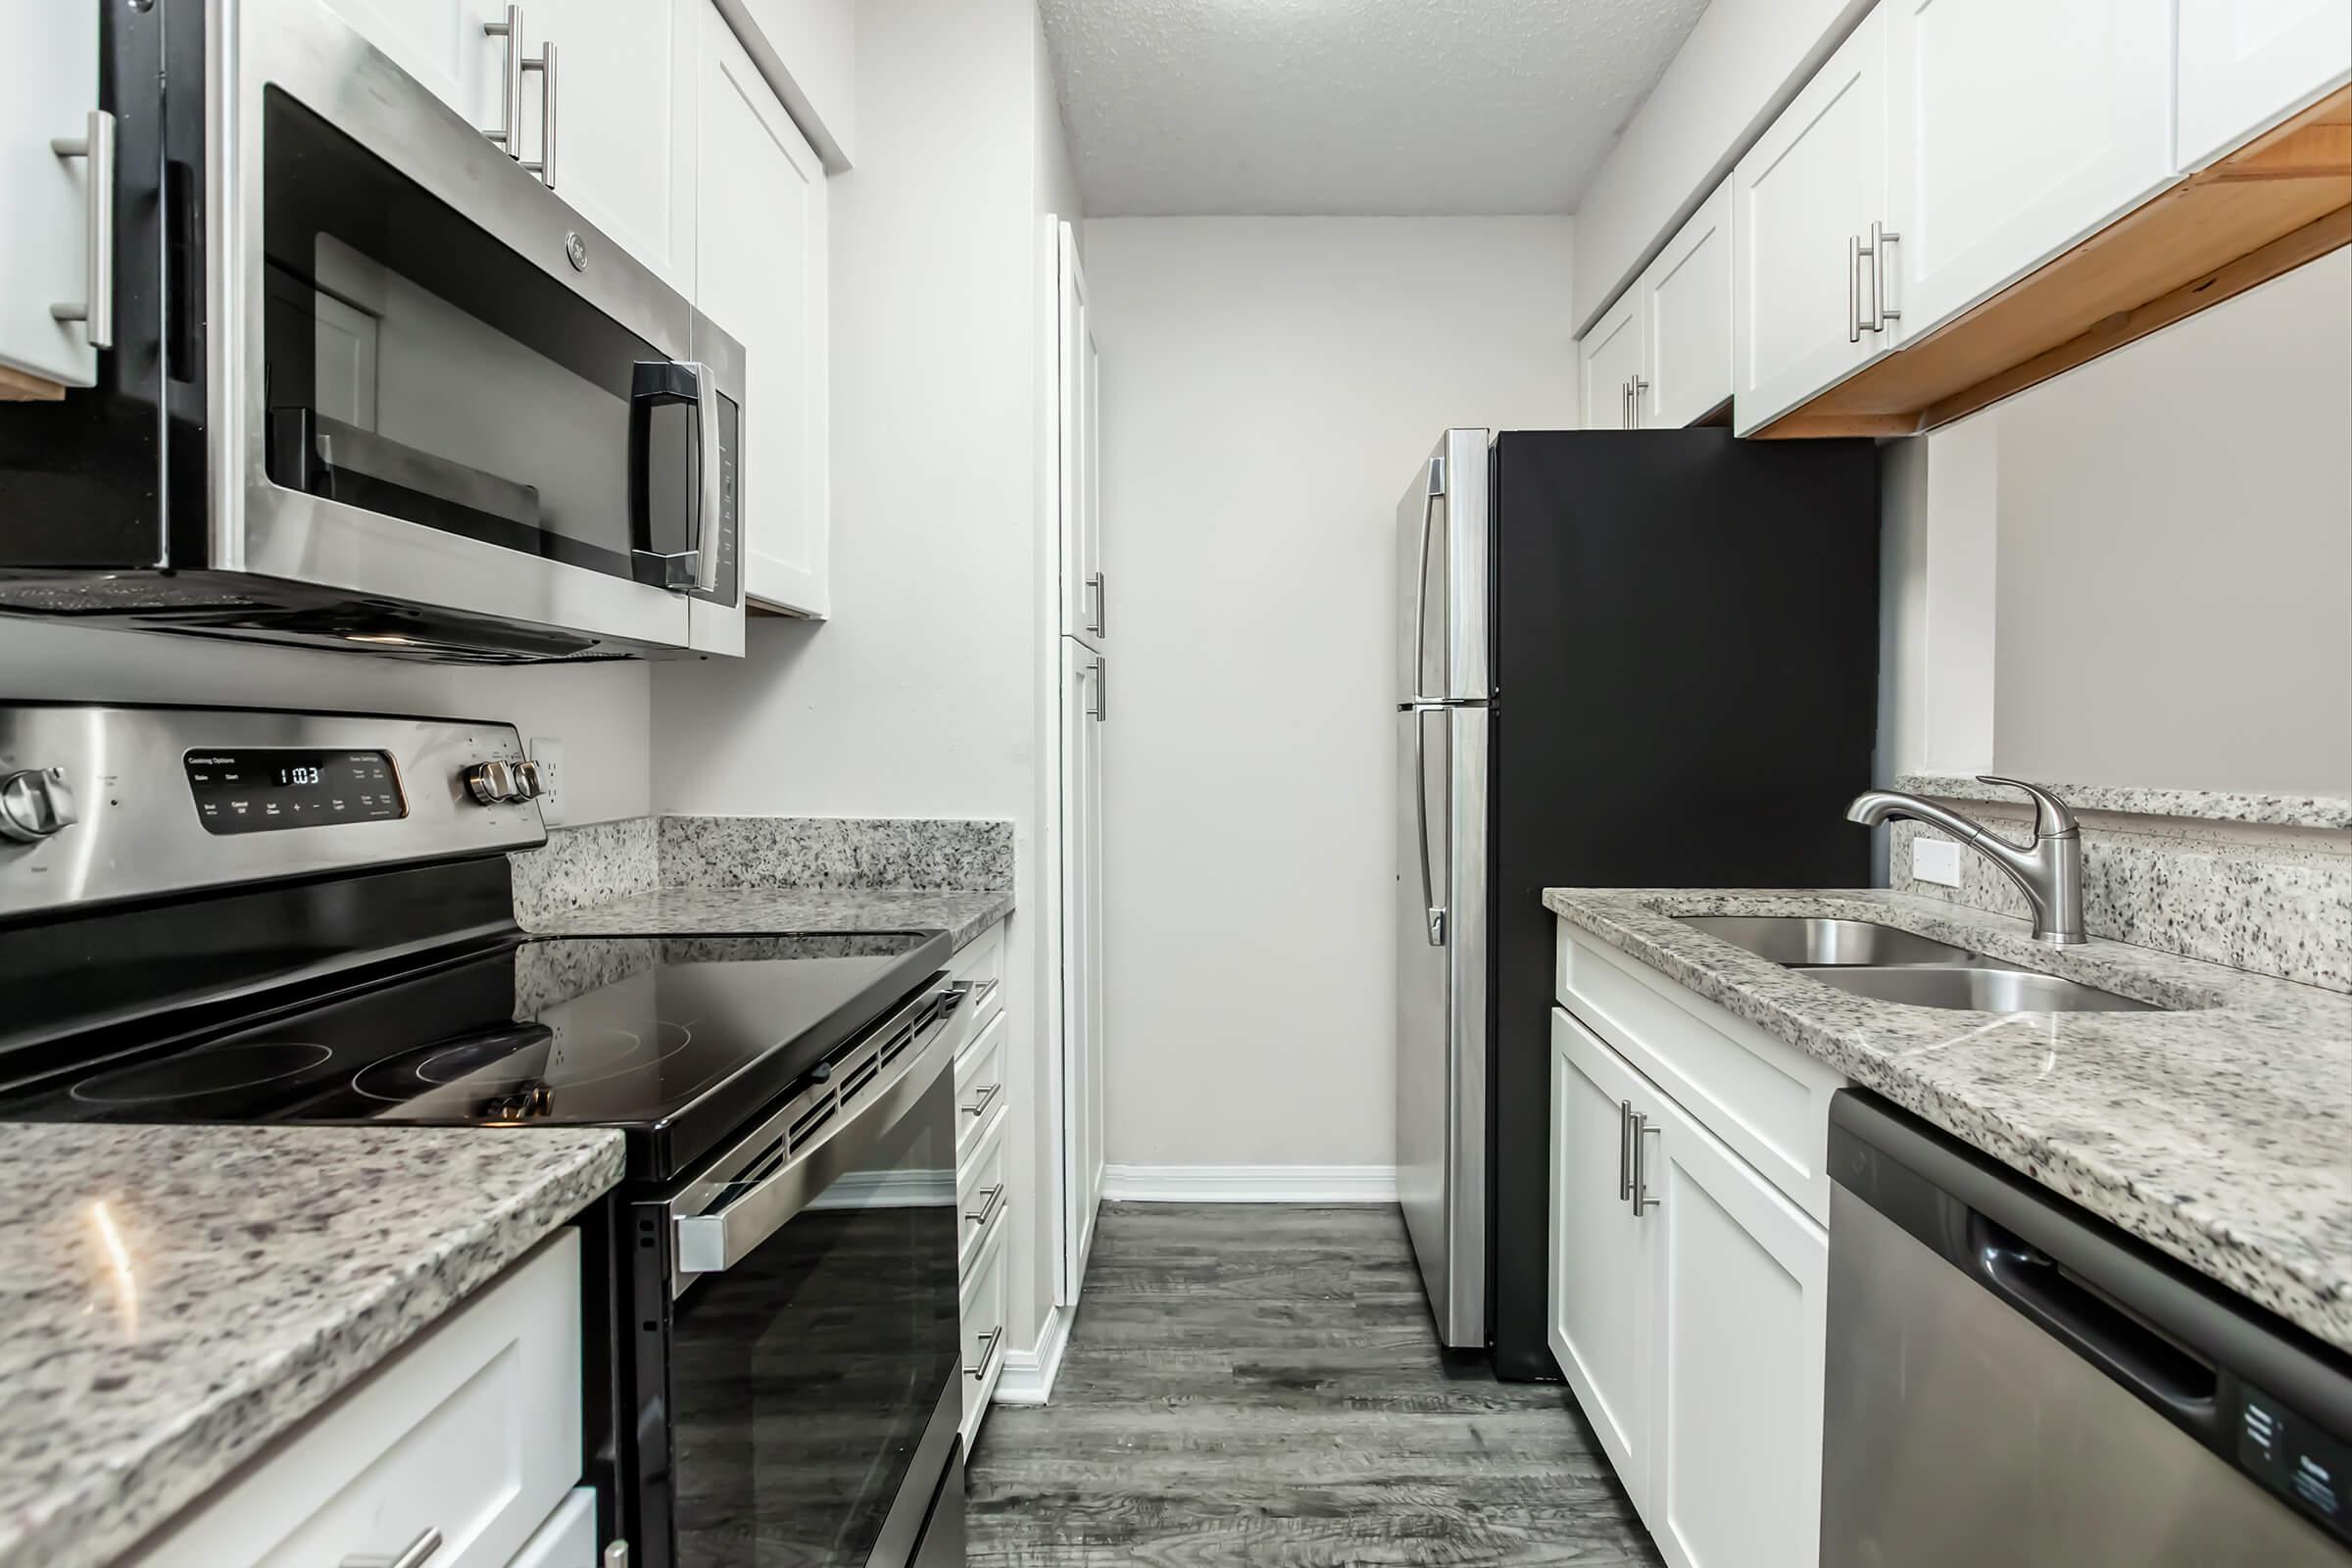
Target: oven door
x=798 y=1343
x=434 y=383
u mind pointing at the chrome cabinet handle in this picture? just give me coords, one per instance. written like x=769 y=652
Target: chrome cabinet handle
x=991 y=1198
x=412 y=1555
x=1854 y=324
x=545 y=164
x=508 y=132
x=1625 y=407
x=1642 y=1201
x=1102 y=705
x=1625 y=1123
x=1637 y=385
x=1881 y=311
x=988 y=1348
x=95 y=311
x=979 y=1105
x=1094 y=583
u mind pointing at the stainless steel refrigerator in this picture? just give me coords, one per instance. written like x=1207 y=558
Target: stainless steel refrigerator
x=1623 y=659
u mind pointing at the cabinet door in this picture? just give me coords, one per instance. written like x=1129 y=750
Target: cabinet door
x=2245 y=65
x=2015 y=128
x=1083 y=611
x=1085 y=709
x=48 y=87
x=760 y=275
x=441 y=43
x=1803 y=197
x=1687 y=319
x=1740 y=1278
x=625 y=120
x=1599 y=1308
x=1612 y=361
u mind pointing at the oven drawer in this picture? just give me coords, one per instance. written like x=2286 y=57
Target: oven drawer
x=982 y=1195
x=980 y=1087
x=980 y=964
x=471 y=1431
x=985 y=1316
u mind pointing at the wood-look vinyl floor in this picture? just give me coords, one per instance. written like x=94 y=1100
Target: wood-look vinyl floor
x=1256 y=1383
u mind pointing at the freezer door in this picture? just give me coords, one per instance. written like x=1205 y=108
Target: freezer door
x=1442 y=590
x=1441 y=1010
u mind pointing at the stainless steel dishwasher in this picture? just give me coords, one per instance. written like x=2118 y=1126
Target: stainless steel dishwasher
x=2012 y=1381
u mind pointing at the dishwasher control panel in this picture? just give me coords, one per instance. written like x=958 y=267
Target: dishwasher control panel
x=2295 y=1459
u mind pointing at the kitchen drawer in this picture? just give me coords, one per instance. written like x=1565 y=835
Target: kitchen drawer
x=980 y=1086
x=985 y=1313
x=471 y=1431
x=568 y=1538
x=1769 y=1101
x=981 y=1193
x=980 y=964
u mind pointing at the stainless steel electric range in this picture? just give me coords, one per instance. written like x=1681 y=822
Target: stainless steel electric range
x=220 y=916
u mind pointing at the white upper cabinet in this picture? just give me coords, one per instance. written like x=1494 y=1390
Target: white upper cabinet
x=1687 y=319
x=442 y=44
x=625 y=120
x=1085 y=595
x=2245 y=65
x=1611 y=356
x=760 y=275
x=2016 y=128
x=48 y=93
x=1805 y=200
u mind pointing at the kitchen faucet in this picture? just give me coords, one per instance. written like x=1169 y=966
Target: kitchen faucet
x=2048 y=871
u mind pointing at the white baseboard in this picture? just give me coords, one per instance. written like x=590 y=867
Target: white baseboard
x=1028 y=1376
x=1249 y=1183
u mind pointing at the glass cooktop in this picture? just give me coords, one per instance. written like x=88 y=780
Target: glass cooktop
x=674 y=1040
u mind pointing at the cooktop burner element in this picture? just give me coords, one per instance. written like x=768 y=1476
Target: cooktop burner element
x=195 y=1074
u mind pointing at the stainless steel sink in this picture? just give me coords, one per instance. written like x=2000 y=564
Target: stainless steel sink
x=1804 y=940
x=1980 y=987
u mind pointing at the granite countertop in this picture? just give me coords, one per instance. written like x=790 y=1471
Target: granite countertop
x=2222 y=1135
x=178 y=1297
x=711 y=911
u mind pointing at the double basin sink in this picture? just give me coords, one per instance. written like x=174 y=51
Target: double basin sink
x=1892 y=966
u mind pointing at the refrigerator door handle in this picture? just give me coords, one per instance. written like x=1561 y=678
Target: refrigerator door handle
x=1429 y=895
x=1429 y=518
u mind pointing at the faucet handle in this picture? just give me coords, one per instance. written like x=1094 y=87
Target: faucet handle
x=2052 y=817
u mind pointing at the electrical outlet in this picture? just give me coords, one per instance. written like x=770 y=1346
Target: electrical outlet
x=548 y=751
x=1936 y=860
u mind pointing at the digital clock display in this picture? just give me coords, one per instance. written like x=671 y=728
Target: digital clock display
x=260 y=791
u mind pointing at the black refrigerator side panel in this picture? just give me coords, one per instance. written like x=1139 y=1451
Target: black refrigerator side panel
x=1687 y=637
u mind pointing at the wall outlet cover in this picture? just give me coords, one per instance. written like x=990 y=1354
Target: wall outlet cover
x=1936 y=860
x=548 y=751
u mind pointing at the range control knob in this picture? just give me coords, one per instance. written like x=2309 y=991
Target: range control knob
x=503 y=783
x=35 y=803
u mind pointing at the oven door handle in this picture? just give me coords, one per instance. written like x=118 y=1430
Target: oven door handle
x=653 y=385
x=712 y=1239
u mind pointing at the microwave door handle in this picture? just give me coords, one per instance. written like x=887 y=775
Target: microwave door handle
x=707 y=470
x=660 y=383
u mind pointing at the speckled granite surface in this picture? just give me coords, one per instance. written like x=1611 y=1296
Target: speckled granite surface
x=2222 y=1136
x=262 y=1270
x=681 y=911
x=591 y=864
x=2214 y=806
x=836 y=852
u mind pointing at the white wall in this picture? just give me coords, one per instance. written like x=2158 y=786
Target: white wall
x=1741 y=64
x=1268 y=387
x=597 y=710
x=2141 y=573
x=922 y=695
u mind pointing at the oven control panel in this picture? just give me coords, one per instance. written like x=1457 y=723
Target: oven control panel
x=266 y=791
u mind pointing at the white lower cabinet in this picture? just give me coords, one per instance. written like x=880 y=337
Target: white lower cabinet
x=1688 y=1309
x=985 y=1189
x=469 y=1433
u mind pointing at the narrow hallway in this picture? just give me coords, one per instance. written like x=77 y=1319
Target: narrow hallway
x=1258 y=1384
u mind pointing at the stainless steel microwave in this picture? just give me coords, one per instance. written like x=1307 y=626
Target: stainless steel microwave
x=368 y=382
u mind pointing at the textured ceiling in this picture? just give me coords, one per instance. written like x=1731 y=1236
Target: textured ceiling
x=1351 y=105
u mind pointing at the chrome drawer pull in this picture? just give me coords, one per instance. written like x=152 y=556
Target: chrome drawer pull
x=979 y=1105
x=990 y=1199
x=988 y=1348
x=1625 y=1139
x=95 y=311
x=412 y=1556
x=1642 y=1201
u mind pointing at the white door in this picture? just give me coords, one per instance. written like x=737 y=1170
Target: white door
x=624 y=120
x=1085 y=709
x=1740 y=1282
x=2245 y=65
x=1599 y=1308
x=1687 y=319
x=1803 y=202
x=1084 y=612
x=2015 y=128
x=1612 y=362
x=441 y=43
x=48 y=92
x=760 y=275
